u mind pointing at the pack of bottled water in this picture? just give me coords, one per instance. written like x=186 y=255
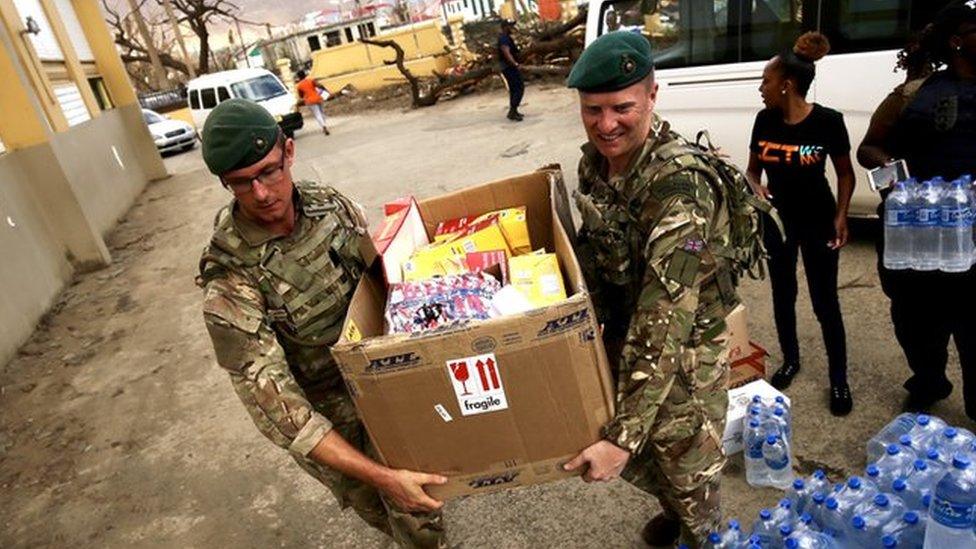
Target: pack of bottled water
x=929 y=225
x=766 y=437
x=918 y=492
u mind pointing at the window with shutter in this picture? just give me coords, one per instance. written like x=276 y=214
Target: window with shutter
x=71 y=103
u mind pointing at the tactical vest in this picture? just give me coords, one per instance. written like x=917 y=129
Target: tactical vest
x=306 y=284
x=614 y=233
x=936 y=133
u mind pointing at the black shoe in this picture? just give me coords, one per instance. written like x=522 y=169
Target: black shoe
x=917 y=402
x=784 y=376
x=661 y=531
x=514 y=115
x=841 y=402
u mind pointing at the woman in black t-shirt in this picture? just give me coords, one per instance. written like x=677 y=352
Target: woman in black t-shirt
x=791 y=141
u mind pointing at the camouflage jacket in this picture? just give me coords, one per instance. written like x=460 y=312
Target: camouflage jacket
x=274 y=304
x=658 y=290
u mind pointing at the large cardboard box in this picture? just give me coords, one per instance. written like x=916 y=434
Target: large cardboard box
x=491 y=404
x=747 y=360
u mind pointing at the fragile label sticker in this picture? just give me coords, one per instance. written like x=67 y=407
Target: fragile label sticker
x=477 y=382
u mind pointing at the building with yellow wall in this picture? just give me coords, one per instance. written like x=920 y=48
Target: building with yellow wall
x=74 y=153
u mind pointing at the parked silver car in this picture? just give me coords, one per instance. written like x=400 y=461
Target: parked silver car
x=168 y=134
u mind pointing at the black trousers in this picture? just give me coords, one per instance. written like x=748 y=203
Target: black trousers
x=516 y=87
x=927 y=307
x=820 y=264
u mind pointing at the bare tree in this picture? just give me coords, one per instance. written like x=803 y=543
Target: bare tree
x=134 y=52
x=199 y=15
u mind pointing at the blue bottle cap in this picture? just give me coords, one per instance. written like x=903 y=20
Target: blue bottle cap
x=892 y=450
x=780 y=400
x=734 y=525
x=806 y=518
x=786 y=503
x=858 y=522
x=755 y=539
x=905 y=440
x=785 y=530
x=920 y=465
x=899 y=485
x=771 y=439
x=831 y=503
x=932 y=454
x=854 y=482
x=765 y=514
x=753 y=411
x=872 y=470
x=791 y=543
x=926 y=500
x=714 y=538
x=798 y=484
x=923 y=419
x=911 y=517
x=888 y=542
x=960 y=461
x=881 y=500
x=779 y=411
x=950 y=432
x=819 y=498
x=757 y=399
x=753 y=423
x=819 y=474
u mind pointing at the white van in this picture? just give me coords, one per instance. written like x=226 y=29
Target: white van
x=709 y=56
x=258 y=85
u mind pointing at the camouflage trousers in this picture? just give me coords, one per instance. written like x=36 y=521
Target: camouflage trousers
x=682 y=462
x=420 y=530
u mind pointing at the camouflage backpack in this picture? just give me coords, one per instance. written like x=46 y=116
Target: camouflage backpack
x=746 y=252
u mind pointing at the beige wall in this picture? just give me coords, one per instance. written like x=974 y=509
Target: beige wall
x=62 y=197
x=34 y=264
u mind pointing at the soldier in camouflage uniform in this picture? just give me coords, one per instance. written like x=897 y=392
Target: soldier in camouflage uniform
x=278 y=275
x=651 y=231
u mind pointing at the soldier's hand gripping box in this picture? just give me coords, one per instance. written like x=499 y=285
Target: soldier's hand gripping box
x=491 y=404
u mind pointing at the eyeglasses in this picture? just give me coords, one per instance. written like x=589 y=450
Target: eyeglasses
x=269 y=177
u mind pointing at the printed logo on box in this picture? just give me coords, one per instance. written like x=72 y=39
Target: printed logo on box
x=494 y=480
x=477 y=382
x=562 y=324
x=392 y=363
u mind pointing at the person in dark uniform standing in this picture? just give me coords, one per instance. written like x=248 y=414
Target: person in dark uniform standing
x=791 y=141
x=508 y=54
x=930 y=122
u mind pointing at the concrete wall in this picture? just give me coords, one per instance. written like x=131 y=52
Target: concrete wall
x=378 y=77
x=34 y=267
x=57 y=201
x=103 y=165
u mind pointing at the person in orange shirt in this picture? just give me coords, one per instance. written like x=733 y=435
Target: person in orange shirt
x=313 y=96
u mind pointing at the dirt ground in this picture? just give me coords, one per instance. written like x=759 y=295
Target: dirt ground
x=119 y=430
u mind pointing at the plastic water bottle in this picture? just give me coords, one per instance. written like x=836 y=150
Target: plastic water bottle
x=951 y=521
x=908 y=447
x=776 y=455
x=784 y=513
x=898 y=232
x=785 y=531
x=908 y=532
x=816 y=508
x=817 y=482
x=783 y=413
x=857 y=534
x=714 y=541
x=926 y=427
x=832 y=521
x=952 y=441
x=853 y=493
x=753 y=438
x=880 y=511
x=908 y=494
x=754 y=542
x=901 y=425
x=733 y=537
x=873 y=474
x=805 y=522
x=892 y=465
x=810 y=540
x=927 y=240
x=800 y=493
x=925 y=475
x=765 y=529
x=956 y=224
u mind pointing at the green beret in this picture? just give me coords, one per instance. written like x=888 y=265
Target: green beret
x=612 y=62
x=237 y=134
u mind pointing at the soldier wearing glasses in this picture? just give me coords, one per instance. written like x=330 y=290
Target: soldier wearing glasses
x=278 y=275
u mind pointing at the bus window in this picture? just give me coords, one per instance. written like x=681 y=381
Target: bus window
x=208 y=98
x=871 y=25
x=194 y=99
x=682 y=32
x=769 y=26
x=222 y=94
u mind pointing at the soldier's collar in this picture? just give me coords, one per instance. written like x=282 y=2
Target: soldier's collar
x=254 y=233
